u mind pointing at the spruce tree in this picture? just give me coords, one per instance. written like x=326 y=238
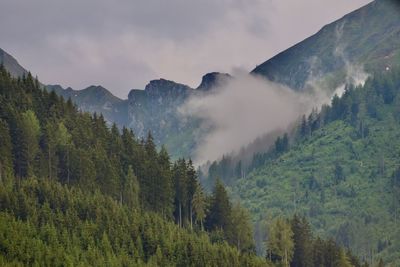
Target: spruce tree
x=165 y=184
x=131 y=190
x=28 y=143
x=280 y=241
x=302 y=237
x=219 y=216
x=199 y=205
x=5 y=152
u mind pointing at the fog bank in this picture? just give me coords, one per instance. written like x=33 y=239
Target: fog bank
x=243 y=109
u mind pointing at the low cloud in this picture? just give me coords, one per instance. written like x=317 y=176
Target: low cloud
x=250 y=111
x=243 y=109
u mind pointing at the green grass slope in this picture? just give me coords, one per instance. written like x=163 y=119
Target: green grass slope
x=342 y=175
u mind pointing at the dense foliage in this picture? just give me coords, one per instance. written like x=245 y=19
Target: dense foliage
x=75 y=193
x=96 y=189
x=49 y=224
x=340 y=168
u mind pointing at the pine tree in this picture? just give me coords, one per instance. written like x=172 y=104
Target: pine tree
x=241 y=232
x=331 y=253
x=318 y=253
x=302 y=237
x=280 y=241
x=131 y=190
x=219 y=216
x=151 y=180
x=64 y=143
x=165 y=184
x=51 y=143
x=28 y=143
x=181 y=190
x=199 y=205
x=191 y=187
x=343 y=260
x=303 y=127
x=5 y=152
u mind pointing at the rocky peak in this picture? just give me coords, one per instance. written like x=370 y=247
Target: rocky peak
x=162 y=86
x=213 y=79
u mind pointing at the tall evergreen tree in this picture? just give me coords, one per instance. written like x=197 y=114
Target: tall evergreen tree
x=5 y=152
x=199 y=205
x=181 y=190
x=165 y=184
x=151 y=178
x=280 y=241
x=191 y=187
x=219 y=216
x=28 y=143
x=241 y=231
x=302 y=237
x=131 y=190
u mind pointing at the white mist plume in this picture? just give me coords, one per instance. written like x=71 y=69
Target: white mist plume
x=248 y=107
x=244 y=108
x=355 y=74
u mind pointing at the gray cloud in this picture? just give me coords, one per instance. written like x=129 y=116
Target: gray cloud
x=245 y=108
x=123 y=44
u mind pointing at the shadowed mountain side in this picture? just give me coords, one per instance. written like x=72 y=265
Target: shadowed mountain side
x=368 y=37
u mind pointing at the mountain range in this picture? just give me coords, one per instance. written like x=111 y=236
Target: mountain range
x=342 y=173
x=364 y=40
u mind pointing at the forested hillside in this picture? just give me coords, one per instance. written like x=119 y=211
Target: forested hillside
x=340 y=168
x=74 y=192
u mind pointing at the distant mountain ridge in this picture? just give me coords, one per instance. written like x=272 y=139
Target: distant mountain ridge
x=154 y=108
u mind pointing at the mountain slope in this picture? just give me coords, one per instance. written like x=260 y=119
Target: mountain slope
x=342 y=171
x=153 y=109
x=11 y=64
x=368 y=37
x=95 y=99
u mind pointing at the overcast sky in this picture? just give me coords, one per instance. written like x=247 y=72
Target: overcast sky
x=123 y=44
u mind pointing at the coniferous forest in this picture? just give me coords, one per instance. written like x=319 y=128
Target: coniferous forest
x=76 y=192
x=152 y=137
x=339 y=167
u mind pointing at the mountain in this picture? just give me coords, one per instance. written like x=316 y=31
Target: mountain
x=11 y=64
x=154 y=108
x=366 y=38
x=341 y=169
x=95 y=99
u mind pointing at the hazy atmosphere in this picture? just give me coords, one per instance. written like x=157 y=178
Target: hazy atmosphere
x=123 y=46
x=259 y=133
